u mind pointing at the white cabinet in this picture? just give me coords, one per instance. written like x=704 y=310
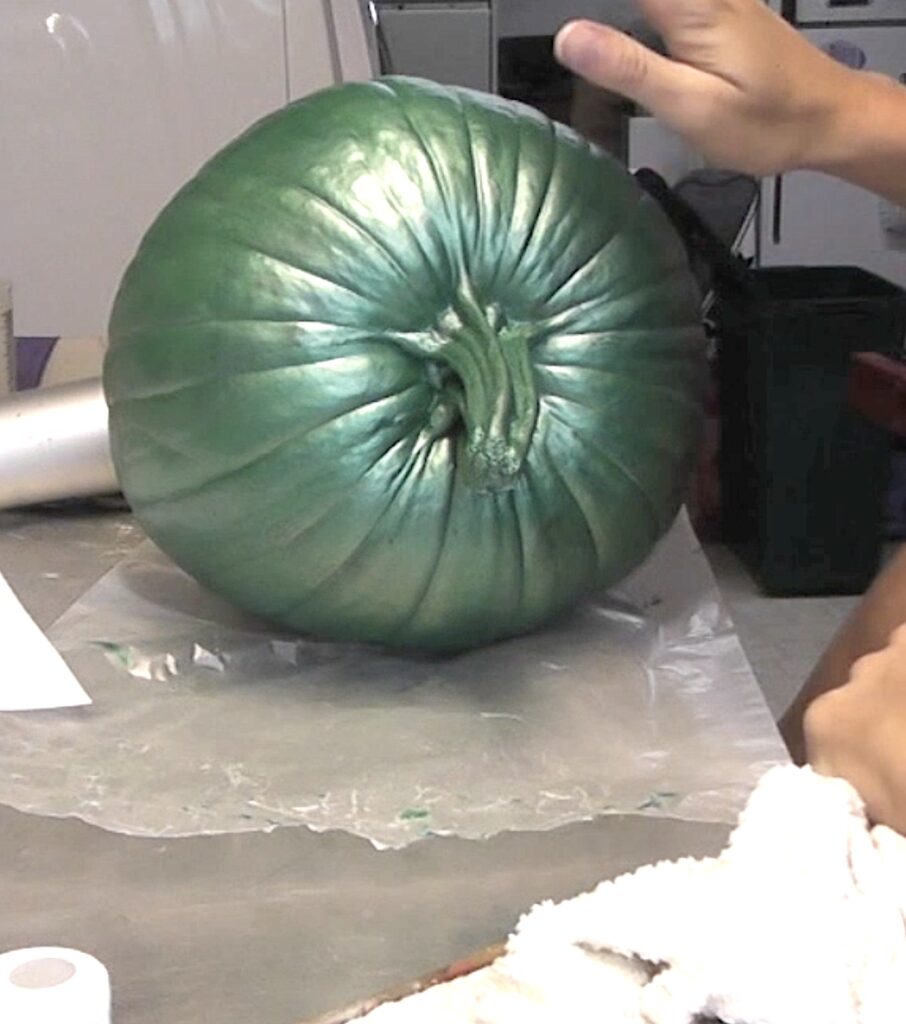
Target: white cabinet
x=447 y=42
x=108 y=106
x=544 y=17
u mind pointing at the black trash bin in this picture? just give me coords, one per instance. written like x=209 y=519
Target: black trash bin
x=803 y=476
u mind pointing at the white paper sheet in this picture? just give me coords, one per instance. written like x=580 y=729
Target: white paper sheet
x=33 y=676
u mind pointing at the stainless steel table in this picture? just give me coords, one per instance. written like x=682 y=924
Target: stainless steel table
x=267 y=929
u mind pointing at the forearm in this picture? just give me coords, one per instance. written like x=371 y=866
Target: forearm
x=867 y=142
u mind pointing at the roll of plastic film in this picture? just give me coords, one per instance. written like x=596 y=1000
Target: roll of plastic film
x=50 y=985
x=54 y=445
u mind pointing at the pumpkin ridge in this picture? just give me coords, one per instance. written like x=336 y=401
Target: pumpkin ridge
x=411 y=615
x=349 y=558
x=455 y=259
x=526 y=243
x=337 y=211
x=609 y=457
x=469 y=150
x=271 y=450
x=557 y=471
x=584 y=266
x=628 y=381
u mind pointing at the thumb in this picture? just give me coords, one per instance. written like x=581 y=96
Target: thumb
x=613 y=60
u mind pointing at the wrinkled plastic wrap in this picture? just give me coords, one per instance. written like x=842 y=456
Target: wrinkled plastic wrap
x=205 y=721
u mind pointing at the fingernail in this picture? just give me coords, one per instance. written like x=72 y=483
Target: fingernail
x=576 y=46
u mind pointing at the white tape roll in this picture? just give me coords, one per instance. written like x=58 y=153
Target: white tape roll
x=53 y=986
x=893 y=218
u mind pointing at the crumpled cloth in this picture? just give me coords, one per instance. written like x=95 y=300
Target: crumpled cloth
x=800 y=920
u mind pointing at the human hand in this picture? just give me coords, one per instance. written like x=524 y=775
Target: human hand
x=743 y=86
x=858 y=732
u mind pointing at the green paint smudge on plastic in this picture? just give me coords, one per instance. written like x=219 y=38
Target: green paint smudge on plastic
x=657 y=801
x=414 y=814
x=116 y=651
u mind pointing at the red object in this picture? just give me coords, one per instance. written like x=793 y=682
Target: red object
x=877 y=390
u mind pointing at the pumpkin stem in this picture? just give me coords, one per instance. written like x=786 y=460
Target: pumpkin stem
x=492 y=386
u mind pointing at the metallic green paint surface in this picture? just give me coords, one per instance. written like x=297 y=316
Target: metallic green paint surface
x=407 y=365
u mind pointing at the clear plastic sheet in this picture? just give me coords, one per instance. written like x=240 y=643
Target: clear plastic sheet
x=204 y=721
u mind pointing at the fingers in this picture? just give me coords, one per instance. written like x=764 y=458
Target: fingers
x=844 y=742
x=614 y=61
x=868 y=666
x=607 y=58
x=872 y=668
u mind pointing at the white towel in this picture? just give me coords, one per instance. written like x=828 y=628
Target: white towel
x=801 y=920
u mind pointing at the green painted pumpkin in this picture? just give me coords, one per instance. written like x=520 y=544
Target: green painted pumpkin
x=406 y=365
